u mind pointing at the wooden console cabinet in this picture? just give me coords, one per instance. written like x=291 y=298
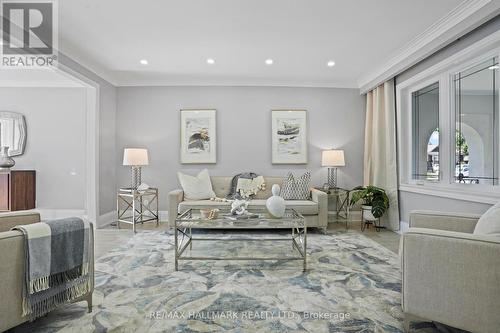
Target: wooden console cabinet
x=17 y=190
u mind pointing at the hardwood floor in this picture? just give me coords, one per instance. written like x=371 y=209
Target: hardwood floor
x=110 y=237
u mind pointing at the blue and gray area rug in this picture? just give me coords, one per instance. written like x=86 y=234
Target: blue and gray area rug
x=352 y=285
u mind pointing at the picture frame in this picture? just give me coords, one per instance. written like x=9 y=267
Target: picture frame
x=198 y=130
x=289 y=139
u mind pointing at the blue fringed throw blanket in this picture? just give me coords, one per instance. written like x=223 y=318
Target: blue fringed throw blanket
x=57 y=264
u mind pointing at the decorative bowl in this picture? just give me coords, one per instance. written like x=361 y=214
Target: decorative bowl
x=209 y=213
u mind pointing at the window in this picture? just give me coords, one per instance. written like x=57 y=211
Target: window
x=476 y=122
x=449 y=127
x=425 y=133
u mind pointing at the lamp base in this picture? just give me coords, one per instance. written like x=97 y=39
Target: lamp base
x=135 y=177
x=332 y=177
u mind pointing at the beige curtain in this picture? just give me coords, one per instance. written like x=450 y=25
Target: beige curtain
x=380 y=164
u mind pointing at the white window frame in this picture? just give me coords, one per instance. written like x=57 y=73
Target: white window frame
x=443 y=73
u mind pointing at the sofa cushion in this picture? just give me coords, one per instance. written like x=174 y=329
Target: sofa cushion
x=196 y=187
x=222 y=186
x=489 y=223
x=197 y=204
x=304 y=207
x=270 y=181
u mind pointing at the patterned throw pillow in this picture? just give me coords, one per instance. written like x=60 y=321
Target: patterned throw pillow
x=296 y=188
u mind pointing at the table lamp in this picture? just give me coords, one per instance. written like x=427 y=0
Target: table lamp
x=332 y=159
x=135 y=158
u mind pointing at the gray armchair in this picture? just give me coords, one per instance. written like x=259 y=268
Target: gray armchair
x=450 y=275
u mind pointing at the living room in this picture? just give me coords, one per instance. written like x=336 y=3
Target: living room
x=249 y=166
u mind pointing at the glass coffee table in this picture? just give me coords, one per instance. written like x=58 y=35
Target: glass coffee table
x=192 y=219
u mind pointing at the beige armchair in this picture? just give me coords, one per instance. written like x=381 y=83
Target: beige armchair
x=12 y=268
x=450 y=275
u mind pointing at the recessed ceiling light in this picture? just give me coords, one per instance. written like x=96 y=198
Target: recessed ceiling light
x=144 y=62
x=269 y=62
x=494 y=67
x=210 y=61
x=330 y=63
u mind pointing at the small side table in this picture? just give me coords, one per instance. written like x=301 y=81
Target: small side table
x=342 y=205
x=140 y=206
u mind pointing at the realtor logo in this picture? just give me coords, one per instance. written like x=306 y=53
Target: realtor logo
x=29 y=33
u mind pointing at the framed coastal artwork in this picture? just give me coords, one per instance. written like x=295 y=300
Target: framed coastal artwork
x=289 y=136
x=198 y=136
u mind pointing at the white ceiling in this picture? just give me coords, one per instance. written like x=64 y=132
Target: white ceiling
x=177 y=36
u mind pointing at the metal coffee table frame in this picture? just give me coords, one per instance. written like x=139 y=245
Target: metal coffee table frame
x=192 y=220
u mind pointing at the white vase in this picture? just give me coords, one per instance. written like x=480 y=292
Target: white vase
x=367 y=213
x=6 y=162
x=276 y=205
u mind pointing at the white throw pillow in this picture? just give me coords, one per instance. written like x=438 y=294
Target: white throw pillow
x=248 y=187
x=196 y=188
x=489 y=223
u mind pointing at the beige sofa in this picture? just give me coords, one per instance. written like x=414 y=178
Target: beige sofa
x=12 y=268
x=450 y=275
x=315 y=210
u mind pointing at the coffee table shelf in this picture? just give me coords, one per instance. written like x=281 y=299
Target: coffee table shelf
x=192 y=219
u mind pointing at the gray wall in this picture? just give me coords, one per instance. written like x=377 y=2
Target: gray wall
x=415 y=201
x=412 y=201
x=107 y=136
x=107 y=149
x=149 y=117
x=55 y=148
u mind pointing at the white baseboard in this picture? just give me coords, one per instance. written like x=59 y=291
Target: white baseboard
x=51 y=214
x=354 y=215
x=403 y=227
x=102 y=221
x=110 y=217
x=106 y=219
x=163 y=216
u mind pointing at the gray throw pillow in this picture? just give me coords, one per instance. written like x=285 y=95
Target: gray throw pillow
x=296 y=188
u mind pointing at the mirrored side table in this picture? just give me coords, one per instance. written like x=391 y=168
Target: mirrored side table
x=341 y=199
x=136 y=207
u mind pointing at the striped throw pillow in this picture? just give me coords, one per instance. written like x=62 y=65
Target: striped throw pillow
x=296 y=188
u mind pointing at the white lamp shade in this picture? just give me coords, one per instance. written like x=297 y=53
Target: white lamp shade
x=135 y=157
x=332 y=158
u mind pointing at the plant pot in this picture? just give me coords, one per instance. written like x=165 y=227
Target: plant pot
x=367 y=213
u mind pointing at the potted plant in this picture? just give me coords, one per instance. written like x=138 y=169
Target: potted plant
x=375 y=201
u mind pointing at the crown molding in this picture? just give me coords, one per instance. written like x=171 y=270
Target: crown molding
x=38 y=84
x=87 y=64
x=462 y=19
x=90 y=65
x=166 y=82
